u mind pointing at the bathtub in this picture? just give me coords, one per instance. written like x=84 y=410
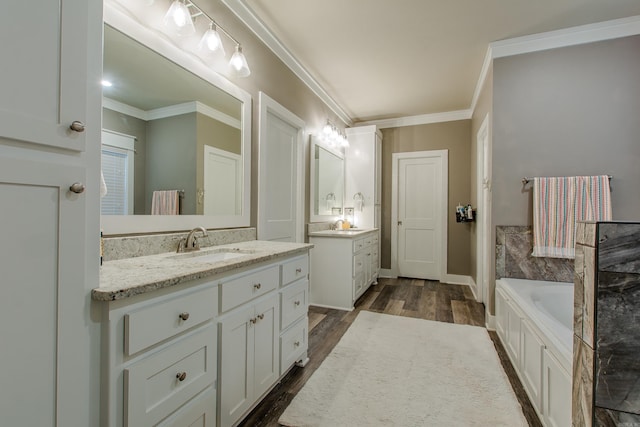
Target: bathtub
x=534 y=321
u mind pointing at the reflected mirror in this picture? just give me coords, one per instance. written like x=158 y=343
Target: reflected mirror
x=175 y=147
x=327 y=181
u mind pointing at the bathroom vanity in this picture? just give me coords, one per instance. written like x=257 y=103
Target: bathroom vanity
x=343 y=266
x=200 y=337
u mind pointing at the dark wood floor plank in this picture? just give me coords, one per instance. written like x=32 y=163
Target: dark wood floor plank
x=383 y=298
x=443 y=305
x=412 y=297
x=427 y=304
x=394 y=307
x=456 y=292
x=460 y=312
x=430 y=285
x=476 y=309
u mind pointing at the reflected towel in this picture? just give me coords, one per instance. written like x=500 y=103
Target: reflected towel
x=165 y=202
x=558 y=203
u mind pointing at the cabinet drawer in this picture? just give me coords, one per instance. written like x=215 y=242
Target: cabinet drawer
x=293 y=344
x=293 y=303
x=368 y=241
x=358 y=245
x=295 y=269
x=154 y=323
x=374 y=239
x=152 y=387
x=238 y=290
x=199 y=412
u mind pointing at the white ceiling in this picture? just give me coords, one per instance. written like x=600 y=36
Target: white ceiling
x=390 y=59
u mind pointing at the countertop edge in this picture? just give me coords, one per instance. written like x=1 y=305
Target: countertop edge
x=107 y=294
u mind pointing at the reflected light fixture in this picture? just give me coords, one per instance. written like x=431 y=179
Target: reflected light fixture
x=106 y=83
x=238 y=63
x=178 y=19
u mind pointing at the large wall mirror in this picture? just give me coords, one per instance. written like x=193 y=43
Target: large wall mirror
x=176 y=136
x=327 y=182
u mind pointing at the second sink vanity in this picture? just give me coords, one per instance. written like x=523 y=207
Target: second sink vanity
x=200 y=336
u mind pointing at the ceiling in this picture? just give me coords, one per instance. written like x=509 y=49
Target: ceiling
x=391 y=59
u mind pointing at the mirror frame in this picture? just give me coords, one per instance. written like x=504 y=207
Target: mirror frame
x=122 y=21
x=315 y=141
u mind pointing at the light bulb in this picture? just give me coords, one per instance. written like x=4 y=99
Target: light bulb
x=327 y=129
x=211 y=41
x=178 y=19
x=238 y=64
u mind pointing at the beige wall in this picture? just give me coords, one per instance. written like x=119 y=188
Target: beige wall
x=452 y=136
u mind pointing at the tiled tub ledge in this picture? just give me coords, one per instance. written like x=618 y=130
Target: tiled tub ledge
x=125 y=278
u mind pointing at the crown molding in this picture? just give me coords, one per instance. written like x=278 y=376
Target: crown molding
x=255 y=24
x=123 y=108
x=423 y=119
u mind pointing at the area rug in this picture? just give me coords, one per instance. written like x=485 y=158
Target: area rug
x=399 y=371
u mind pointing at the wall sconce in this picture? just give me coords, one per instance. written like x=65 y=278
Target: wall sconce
x=332 y=136
x=179 y=21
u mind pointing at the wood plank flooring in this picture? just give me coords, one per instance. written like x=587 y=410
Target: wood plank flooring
x=402 y=297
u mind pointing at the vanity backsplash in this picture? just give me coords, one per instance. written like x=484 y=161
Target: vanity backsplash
x=132 y=246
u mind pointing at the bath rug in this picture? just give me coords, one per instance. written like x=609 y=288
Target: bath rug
x=399 y=371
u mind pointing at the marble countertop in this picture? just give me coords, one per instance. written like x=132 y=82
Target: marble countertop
x=132 y=276
x=350 y=233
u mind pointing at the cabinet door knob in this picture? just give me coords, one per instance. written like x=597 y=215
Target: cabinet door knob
x=298 y=270
x=296 y=344
x=257 y=286
x=184 y=316
x=77 y=126
x=260 y=316
x=296 y=303
x=77 y=187
x=253 y=321
x=181 y=376
x=399 y=222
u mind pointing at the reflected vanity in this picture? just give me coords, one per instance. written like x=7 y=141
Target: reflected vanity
x=170 y=123
x=327 y=182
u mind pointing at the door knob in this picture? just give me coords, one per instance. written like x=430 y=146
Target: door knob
x=77 y=126
x=77 y=187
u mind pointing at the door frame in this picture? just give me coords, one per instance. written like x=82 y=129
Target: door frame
x=269 y=105
x=483 y=201
x=444 y=179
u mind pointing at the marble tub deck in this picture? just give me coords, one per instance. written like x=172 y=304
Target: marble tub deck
x=133 y=276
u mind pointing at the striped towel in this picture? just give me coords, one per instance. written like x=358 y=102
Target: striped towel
x=558 y=203
x=165 y=202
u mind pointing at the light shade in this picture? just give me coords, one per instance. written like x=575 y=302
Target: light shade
x=238 y=64
x=178 y=19
x=211 y=42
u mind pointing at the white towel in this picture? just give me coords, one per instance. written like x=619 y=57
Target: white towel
x=165 y=202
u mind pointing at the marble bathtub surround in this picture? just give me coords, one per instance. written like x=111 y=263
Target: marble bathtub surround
x=606 y=366
x=133 y=276
x=514 y=245
x=121 y=247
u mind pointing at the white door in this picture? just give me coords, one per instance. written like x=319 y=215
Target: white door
x=484 y=208
x=222 y=182
x=420 y=213
x=42 y=262
x=280 y=185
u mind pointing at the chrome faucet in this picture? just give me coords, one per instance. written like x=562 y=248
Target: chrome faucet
x=337 y=225
x=191 y=242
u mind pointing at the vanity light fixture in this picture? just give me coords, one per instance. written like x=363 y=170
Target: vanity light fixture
x=180 y=20
x=332 y=136
x=106 y=83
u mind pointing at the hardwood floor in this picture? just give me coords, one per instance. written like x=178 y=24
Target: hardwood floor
x=403 y=297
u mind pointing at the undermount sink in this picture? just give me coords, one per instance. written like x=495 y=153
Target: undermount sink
x=211 y=256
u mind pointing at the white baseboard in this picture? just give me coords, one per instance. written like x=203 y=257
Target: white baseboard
x=490 y=322
x=474 y=288
x=456 y=279
x=386 y=273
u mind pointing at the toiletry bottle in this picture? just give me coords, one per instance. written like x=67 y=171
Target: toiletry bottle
x=469 y=213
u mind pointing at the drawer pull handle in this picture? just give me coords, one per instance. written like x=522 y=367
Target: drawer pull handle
x=296 y=303
x=260 y=316
x=184 y=316
x=298 y=270
x=296 y=344
x=257 y=286
x=181 y=376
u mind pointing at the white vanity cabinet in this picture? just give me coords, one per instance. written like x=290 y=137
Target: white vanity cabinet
x=49 y=341
x=343 y=266
x=363 y=178
x=160 y=364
